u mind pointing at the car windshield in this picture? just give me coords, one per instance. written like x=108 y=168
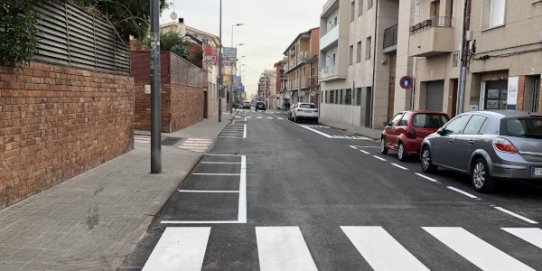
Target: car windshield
x=307 y=106
x=427 y=120
x=522 y=127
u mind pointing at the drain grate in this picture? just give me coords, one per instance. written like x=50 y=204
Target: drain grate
x=170 y=141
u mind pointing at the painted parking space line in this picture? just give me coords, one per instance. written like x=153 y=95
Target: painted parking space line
x=245 y=131
x=530 y=221
x=220 y=163
x=381 y=250
x=242 y=206
x=476 y=250
x=283 y=248
x=353 y=147
x=427 y=178
x=531 y=235
x=363 y=151
x=179 y=249
x=208 y=191
x=379 y=158
x=463 y=192
x=399 y=166
x=215 y=174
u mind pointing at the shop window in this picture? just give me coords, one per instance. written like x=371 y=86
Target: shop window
x=348 y=97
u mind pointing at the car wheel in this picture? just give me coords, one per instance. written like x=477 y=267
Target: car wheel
x=427 y=161
x=481 y=180
x=401 y=153
x=383 y=148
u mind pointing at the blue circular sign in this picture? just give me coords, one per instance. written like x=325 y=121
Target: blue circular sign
x=406 y=82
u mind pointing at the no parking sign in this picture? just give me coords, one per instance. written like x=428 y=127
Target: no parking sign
x=406 y=82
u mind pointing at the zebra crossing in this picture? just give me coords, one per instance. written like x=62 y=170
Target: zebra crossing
x=284 y=248
x=200 y=145
x=237 y=129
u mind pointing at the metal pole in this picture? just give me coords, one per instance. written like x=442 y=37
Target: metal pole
x=156 y=148
x=463 y=70
x=220 y=86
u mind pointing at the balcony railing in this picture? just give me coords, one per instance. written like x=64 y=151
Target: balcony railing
x=390 y=36
x=329 y=71
x=445 y=21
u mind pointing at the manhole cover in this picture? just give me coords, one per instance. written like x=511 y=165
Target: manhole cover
x=170 y=141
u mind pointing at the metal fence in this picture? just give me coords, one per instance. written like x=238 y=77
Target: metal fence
x=71 y=36
x=390 y=36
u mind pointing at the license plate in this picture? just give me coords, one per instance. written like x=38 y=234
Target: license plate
x=536 y=171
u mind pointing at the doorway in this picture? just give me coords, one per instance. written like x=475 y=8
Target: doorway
x=453 y=88
x=391 y=85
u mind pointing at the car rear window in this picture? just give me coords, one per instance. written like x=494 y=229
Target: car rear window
x=425 y=120
x=307 y=106
x=522 y=127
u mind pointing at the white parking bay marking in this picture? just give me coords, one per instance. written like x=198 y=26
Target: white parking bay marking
x=476 y=250
x=427 y=178
x=379 y=158
x=245 y=131
x=353 y=147
x=179 y=248
x=530 y=221
x=283 y=248
x=462 y=192
x=366 y=152
x=399 y=166
x=531 y=235
x=381 y=250
x=242 y=205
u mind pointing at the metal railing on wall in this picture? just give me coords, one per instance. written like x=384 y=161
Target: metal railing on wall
x=68 y=35
x=390 y=36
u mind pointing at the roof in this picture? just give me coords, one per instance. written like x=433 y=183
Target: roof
x=308 y=32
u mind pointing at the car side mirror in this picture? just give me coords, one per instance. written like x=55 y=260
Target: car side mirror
x=386 y=123
x=441 y=131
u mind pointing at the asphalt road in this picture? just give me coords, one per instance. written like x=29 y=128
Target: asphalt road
x=275 y=195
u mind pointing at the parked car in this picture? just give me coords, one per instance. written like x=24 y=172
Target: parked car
x=303 y=111
x=406 y=131
x=259 y=106
x=246 y=105
x=488 y=146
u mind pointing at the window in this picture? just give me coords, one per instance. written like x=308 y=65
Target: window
x=334 y=59
x=369 y=4
x=475 y=125
x=358 y=57
x=358 y=97
x=404 y=120
x=350 y=54
x=434 y=121
x=341 y=96
x=368 y=48
x=396 y=119
x=529 y=127
x=348 y=97
x=352 y=10
x=456 y=125
x=335 y=21
x=493 y=13
x=360 y=7
x=331 y=97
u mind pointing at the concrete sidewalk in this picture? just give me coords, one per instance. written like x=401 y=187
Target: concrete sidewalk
x=354 y=130
x=92 y=221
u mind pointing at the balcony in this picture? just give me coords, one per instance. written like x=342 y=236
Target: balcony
x=431 y=37
x=329 y=72
x=390 y=36
x=329 y=38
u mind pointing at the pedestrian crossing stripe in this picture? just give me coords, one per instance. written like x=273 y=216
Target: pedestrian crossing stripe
x=196 y=144
x=284 y=248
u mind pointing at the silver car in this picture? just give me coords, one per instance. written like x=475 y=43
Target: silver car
x=488 y=146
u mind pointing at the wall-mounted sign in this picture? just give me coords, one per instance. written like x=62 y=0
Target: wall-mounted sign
x=512 y=95
x=406 y=82
x=210 y=54
x=229 y=56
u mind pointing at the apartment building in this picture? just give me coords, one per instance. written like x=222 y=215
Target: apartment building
x=505 y=55
x=298 y=69
x=435 y=36
x=359 y=64
x=267 y=89
x=282 y=80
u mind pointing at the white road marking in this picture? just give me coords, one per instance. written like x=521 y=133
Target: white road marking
x=220 y=163
x=246 y=118
x=316 y=131
x=269 y=118
x=237 y=117
x=463 y=192
x=399 y=166
x=379 y=158
x=249 y=117
x=427 y=178
x=531 y=235
x=222 y=155
x=242 y=206
x=216 y=174
x=245 y=131
x=366 y=152
x=208 y=191
x=530 y=221
x=200 y=139
x=283 y=248
x=179 y=249
x=280 y=118
x=353 y=147
x=475 y=250
x=259 y=117
x=181 y=222
x=231 y=136
x=381 y=250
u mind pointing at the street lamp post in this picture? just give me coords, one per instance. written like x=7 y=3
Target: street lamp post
x=156 y=121
x=231 y=81
x=220 y=81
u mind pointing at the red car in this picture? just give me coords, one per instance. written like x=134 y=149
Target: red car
x=406 y=131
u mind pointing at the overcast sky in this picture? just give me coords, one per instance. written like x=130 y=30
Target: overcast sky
x=268 y=27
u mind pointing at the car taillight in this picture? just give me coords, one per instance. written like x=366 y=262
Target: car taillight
x=316 y=110
x=300 y=110
x=411 y=133
x=503 y=145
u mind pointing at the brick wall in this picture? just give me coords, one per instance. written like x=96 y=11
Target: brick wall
x=57 y=122
x=182 y=88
